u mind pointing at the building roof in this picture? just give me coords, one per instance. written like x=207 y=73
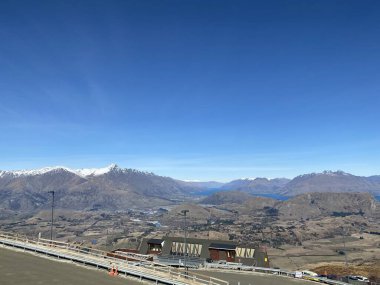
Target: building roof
x=222 y=246
x=204 y=242
x=155 y=241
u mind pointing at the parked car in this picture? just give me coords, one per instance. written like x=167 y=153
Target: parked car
x=297 y=274
x=310 y=275
x=362 y=278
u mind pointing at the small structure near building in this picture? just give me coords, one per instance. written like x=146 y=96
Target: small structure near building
x=154 y=246
x=222 y=251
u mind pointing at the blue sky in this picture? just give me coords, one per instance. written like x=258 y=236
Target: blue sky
x=198 y=90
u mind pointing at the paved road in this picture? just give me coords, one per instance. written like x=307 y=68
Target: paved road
x=250 y=278
x=19 y=268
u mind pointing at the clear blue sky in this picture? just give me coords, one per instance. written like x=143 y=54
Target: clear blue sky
x=207 y=90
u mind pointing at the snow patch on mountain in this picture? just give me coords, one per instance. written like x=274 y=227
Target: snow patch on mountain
x=83 y=172
x=325 y=173
x=95 y=171
x=32 y=172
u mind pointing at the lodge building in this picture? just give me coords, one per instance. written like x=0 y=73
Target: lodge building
x=210 y=250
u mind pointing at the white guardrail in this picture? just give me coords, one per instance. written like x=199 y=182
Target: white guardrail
x=89 y=256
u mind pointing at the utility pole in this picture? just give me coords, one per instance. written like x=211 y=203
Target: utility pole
x=52 y=215
x=184 y=212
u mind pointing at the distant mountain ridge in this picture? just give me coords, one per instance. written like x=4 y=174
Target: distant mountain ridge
x=257 y=185
x=116 y=188
x=201 y=185
x=327 y=181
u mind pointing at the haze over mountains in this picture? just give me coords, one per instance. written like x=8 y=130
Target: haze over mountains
x=115 y=188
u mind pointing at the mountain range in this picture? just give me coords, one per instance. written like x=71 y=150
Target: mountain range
x=257 y=185
x=303 y=206
x=116 y=188
x=111 y=188
x=327 y=181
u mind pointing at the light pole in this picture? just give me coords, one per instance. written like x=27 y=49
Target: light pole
x=344 y=245
x=52 y=215
x=184 y=212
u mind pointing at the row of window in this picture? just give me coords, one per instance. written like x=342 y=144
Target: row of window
x=245 y=252
x=193 y=249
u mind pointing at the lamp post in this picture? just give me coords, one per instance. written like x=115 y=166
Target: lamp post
x=52 y=215
x=344 y=245
x=184 y=212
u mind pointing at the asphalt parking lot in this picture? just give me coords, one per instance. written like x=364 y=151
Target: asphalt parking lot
x=250 y=278
x=19 y=268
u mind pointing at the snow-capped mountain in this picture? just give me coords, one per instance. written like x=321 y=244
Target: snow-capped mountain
x=83 y=172
x=110 y=187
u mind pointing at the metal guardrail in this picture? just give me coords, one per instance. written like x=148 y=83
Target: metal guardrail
x=132 y=255
x=89 y=256
x=179 y=261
